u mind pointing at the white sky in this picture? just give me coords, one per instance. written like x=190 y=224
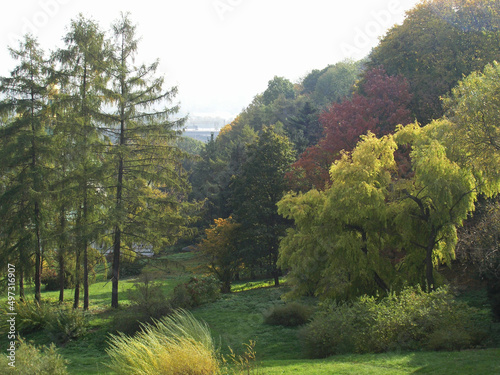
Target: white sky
x=220 y=53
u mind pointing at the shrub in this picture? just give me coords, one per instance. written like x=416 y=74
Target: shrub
x=330 y=332
x=50 y=279
x=32 y=360
x=197 y=291
x=149 y=298
x=149 y=301
x=412 y=320
x=32 y=316
x=63 y=324
x=289 y=315
x=177 y=344
x=67 y=324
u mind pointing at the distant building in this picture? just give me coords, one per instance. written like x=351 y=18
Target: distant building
x=202 y=128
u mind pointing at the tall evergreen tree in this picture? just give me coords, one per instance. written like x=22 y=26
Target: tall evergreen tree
x=25 y=146
x=256 y=191
x=148 y=182
x=83 y=62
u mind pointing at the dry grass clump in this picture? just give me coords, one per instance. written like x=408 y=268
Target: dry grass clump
x=177 y=344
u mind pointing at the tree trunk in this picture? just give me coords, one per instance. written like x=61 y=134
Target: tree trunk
x=85 y=259
x=61 y=254
x=38 y=256
x=85 y=278
x=61 y=277
x=429 y=266
x=21 y=284
x=76 y=301
x=116 y=268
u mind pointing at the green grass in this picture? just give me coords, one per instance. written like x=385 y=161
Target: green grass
x=238 y=318
x=477 y=362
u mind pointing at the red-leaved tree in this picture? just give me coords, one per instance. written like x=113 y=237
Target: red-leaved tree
x=380 y=104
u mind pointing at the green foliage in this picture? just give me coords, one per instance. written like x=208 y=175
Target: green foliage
x=412 y=320
x=67 y=324
x=178 y=344
x=33 y=360
x=474 y=131
x=196 y=292
x=336 y=246
x=277 y=87
x=149 y=299
x=439 y=43
x=62 y=324
x=336 y=83
x=289 y=315
x=32 y=316
x=50 y=279
x=256 y=191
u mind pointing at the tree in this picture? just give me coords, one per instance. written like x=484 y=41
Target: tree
x=479 y=246
x=149 y=184
x=256 y=191
x=374 y=224
x=278 y=86
x=336 y=83
x=221 y=248
x=304 y=129
x=473 y=108
x=79 y=108
x=439 y=42
x=25 y=158
x=381 y=104
x=337 y=247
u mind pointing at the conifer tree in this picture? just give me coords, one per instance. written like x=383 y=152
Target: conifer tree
x=148 y=182
x=23 y=158
x=82 y=65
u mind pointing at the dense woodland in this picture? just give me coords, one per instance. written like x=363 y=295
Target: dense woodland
x=362 y=178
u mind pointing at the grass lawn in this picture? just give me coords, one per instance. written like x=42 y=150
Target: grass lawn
x=479 y=362
x=237 y=318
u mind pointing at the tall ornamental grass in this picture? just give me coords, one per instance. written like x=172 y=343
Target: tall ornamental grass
x=174 y=345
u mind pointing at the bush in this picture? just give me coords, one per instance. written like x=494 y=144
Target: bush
x=50 y=279
x=412 y=320
x=289 y=315
x=196 y=292
x=178 y=344
x=67 y=324
x=149 y=298
x=149 y=301
x=32 y=360
x=32 y=316
x=63 y=324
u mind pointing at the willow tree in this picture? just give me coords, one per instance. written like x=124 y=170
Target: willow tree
x=374 y=226
x=149 y=182
x=23 y=160
x=337 y=248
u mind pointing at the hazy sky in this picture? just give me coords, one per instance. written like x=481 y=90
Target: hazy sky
x=220 y=53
